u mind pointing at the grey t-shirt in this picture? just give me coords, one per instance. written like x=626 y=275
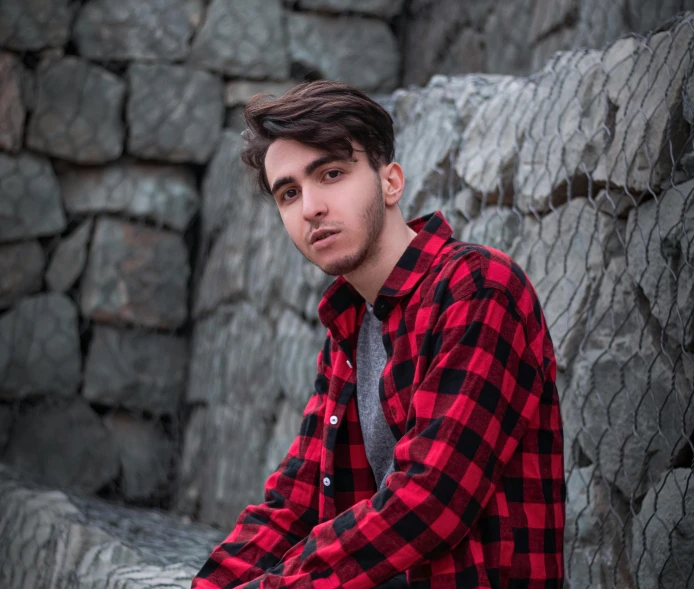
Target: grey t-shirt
x=371 y=359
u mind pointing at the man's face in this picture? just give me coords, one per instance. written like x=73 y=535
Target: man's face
x=333 y=209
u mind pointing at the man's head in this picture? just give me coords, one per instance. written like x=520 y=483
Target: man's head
x=324 y=151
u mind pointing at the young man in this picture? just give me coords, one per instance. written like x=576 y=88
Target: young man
x=432 y=443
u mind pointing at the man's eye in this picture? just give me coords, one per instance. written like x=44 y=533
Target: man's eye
x=289 y=194
x=332 y=174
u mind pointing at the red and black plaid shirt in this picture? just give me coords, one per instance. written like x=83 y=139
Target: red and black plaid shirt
x=477 y=496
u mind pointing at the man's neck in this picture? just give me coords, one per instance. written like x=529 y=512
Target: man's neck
x=372 y=274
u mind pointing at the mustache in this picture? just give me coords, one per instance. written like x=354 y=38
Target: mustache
x=325 y=226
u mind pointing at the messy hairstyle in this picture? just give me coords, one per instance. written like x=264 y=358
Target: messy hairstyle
x=322 y=114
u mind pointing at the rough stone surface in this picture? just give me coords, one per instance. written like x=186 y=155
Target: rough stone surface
x=566 y=134
x=174 y=113
x=465 y=55
x=30 y=26
x=660 y=254
x=596 y=519
x=78 y=115
x=166 y=195
x=238 y=92
x=85 y=457
x=40 y=348
x=645 y=81
x=380 y=8
x=283 y=434
x=495 y=227
x=628 y=402
x=135 y=275
x=505 y=32
x=29 y=198
x=189 y=483
x=69 y=258
x=358 y=51
x=243 y=38
x=550 y=15
x=131 y=29
x=146 y=456
x=21 y=271
x=49 y=538
x=232 y=350
x=644 y=16
x=137 y=370
x=564 y=255
x=12 y=109
x=663 y=533
x=6 y=420
x=600 y=22
x=616 y=203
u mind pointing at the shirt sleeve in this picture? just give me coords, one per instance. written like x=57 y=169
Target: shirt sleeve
x=265 y=532
x=466 y=419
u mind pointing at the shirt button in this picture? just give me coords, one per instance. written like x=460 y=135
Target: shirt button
x=349 y=364
x=333 y=420
x=326 y=481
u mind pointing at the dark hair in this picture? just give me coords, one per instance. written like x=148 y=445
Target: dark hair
x=322 y=114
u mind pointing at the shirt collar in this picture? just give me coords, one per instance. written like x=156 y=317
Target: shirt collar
x=341 y=304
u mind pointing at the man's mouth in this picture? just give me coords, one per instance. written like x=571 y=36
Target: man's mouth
x=321 y=234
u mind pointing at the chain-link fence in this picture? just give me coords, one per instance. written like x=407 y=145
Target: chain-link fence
x=158 y=330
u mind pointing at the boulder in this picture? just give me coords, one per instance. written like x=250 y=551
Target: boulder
x=380 y=8
x=358 y=51
x=663 y=533
x=628 y=402
x=193 y=456
x=12 y=109
x=29 y=198
x=174 y=113
x=133 y=30
x=21 y=271
x=136 y=275
x=243 y=38
x=238 y=92
x=660 y=258
x=559 y=41
x=69 y=258
x=600 y=22
x=566 y=133
x=645 y=81
x=231 y=352
x=63 y=444
x=32 y=26
x=466 y=55
x=137 y=370
x=40 y=348
x=286 y=429
x=50 y=538
x=505 y=33
x=644 y=16
x=146 y=456
x=495 y=227
x=550 y=15
x=6 y=419
x=166 y=195
x=78 y=115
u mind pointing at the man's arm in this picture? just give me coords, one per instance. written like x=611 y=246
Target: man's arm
x=263 y=533
x=469 y=415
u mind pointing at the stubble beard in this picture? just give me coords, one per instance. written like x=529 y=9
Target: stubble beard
x=373 y=215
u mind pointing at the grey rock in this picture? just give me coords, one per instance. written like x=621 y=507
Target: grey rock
x=380 y=8
x=136 y=275
x=644 y=81
x=550 y=15
x=628 y=400
x=30 y=27
x=132 y=30
x=566 y=134
x=50 y=538
x=283 y=434
x=564 y=255
x=137 y=370
x=596 y=518
x=429 y=123
x=6 y=420
x=21 y=271
x=505 y=32
x=78 y=112
x=12 y=109
x=238 y=92
x=660 y=254
x=243 y=38
x=145 y=454
x=615 y=202
x=558 y=42
x=40 y=348
x=231 y=353
x=600 y=22
x=69 y=258
x=29 y=198
x=663 y=533
x=467 y=205
x=358 y=51
x=466 y=55
x=174 y=113
x=188 y=480
x=65 y=445
x=166 y=195
x=644 y=16
x=195 y=11
x=495 y=227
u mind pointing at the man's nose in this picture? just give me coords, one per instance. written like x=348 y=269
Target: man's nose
x=314 y=204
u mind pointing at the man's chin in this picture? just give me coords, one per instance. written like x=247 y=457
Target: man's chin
x=343 y=266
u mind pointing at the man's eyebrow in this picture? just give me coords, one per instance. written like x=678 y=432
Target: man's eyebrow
x=309 y=169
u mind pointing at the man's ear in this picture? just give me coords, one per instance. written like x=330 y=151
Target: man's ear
x=392 y=182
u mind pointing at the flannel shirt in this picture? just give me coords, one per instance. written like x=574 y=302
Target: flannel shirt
x=477 y=498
